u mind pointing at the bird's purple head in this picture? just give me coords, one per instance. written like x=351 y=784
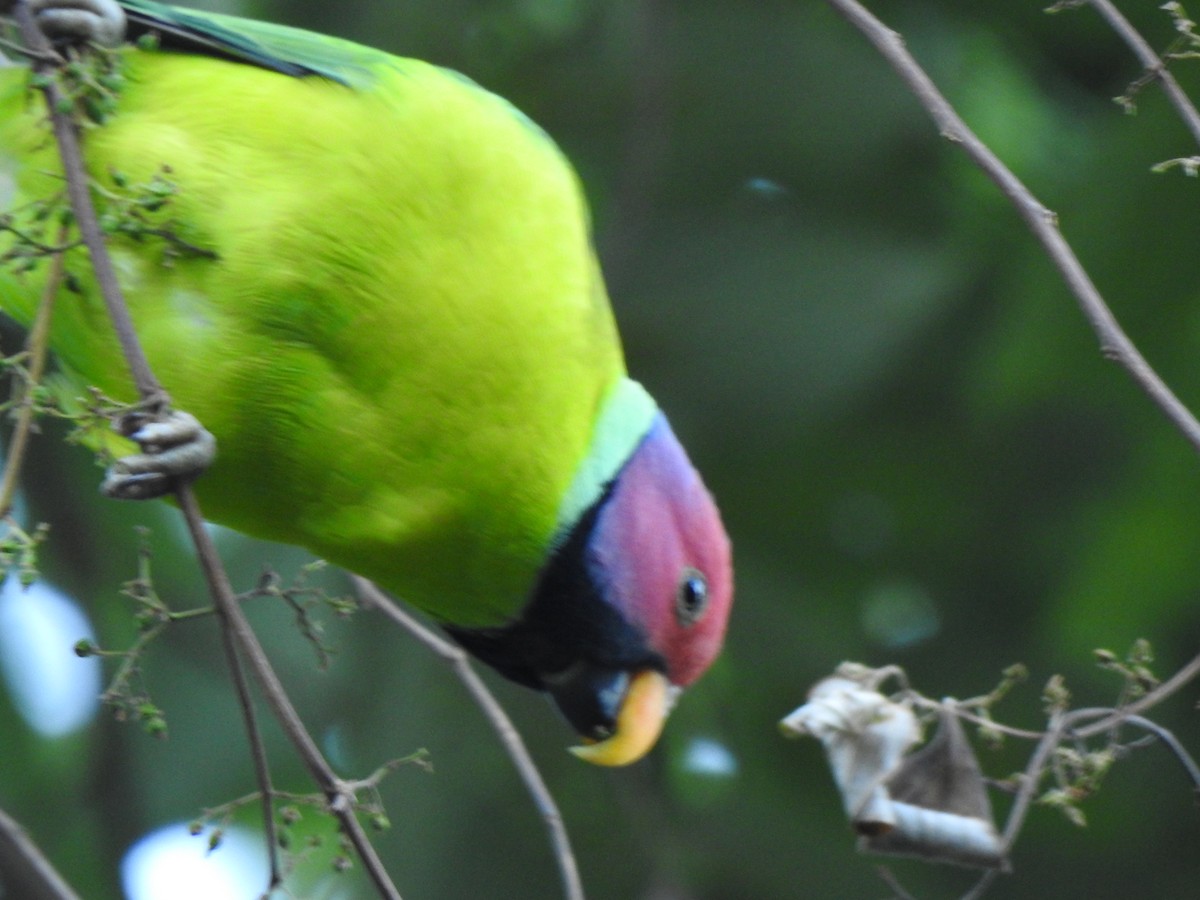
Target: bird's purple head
x=660 y=555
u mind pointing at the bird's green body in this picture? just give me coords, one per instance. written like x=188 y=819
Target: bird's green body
x=383 y=301
x=403 y=344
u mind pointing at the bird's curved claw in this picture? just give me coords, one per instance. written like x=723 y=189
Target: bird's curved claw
x=78 y=21
x=176 y=448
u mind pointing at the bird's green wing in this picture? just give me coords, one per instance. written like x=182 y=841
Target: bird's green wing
x=289 y=51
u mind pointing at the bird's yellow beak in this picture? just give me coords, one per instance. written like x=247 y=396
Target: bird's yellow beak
x=639 y=723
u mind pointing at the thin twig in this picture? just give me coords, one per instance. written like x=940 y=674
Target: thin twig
x=26 y=869
x=35 y=344
x=982 y=885
x=1119 y=716
x=959 y=709
x=1042 y=222
x=1059 y=726
x=220 y=589
x=241 y=640
x=1153 y=64
x=1030 y=780
x=889 y=878
x=238 y=637
x=373 y=597
x=1173 y=744
x=1151 y=698
x=66 y=137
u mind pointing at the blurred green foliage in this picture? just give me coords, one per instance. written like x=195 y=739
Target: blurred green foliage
x=920 y=453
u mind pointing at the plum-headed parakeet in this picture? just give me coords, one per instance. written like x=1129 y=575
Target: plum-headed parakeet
x=374 y=283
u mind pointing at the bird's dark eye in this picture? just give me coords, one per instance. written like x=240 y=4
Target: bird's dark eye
x=691 y=597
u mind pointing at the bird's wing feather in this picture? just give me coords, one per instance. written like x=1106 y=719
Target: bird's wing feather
x=290 y=51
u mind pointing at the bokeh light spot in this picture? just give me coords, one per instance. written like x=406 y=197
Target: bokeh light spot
x=171 y=862
x=54 y=690
x=899 y=614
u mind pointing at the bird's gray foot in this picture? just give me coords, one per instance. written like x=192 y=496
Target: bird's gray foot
x=78 y=21
x=175 y=449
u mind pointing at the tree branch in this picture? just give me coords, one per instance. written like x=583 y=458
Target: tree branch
x=148 y=387
x=1114 y=343
x=238 y=638
x=1042 y=222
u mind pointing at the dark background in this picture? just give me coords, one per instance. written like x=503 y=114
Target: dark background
x=920 y=454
